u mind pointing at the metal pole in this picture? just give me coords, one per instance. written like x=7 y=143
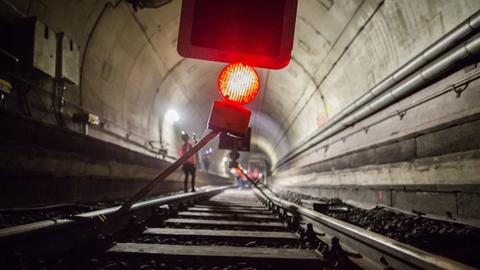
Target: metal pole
x=169 y=170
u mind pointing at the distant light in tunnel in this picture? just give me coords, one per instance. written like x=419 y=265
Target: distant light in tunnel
x=172 y=116
x=238 y=83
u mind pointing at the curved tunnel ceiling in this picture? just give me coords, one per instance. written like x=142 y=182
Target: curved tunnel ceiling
x=132 y=73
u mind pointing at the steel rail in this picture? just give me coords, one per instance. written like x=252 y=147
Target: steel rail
x=373 y=247
x=65 y=233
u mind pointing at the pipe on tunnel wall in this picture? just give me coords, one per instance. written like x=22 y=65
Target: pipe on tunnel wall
x=345 y=118
x=436 y=71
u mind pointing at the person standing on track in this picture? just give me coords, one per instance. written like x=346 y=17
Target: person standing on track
x=190 y=166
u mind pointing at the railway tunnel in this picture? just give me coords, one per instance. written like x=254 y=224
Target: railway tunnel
x=379 y=107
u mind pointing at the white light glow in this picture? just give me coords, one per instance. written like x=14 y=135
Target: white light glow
x=172 y=116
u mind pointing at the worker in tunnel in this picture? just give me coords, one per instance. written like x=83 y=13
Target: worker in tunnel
x=197 y=159
x=238 y=177
x=190 y=166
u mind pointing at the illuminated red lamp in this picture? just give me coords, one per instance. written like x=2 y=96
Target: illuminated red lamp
x=238 y=83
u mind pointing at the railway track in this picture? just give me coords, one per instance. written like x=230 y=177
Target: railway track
x=219 y=229
x=233 y=230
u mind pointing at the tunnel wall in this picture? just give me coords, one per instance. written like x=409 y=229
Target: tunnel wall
x=344 y=51
x=43 y=164
x=131 y=74
x=122 y=69
x=426 y=160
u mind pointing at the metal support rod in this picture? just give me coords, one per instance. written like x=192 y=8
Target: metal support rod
x=169 y=170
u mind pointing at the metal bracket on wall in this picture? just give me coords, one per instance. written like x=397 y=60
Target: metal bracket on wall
x=401 y=114
x=458 y=89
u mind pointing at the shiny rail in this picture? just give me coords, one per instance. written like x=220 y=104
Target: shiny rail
x=36 y=238
x=375 y=251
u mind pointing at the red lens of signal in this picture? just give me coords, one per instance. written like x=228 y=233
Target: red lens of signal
x=238 y=83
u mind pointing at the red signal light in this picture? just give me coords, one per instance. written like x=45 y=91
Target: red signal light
x=238 y=83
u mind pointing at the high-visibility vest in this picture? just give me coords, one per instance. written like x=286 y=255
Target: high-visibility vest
x=184 y=148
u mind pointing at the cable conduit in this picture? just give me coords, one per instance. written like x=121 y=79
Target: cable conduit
x=465 y=30
x=445 y=66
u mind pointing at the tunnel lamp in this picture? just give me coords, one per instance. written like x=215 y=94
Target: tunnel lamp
x=172 y=116
x=238 y=83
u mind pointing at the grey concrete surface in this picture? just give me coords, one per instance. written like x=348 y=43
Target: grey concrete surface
x=426 y=202
x=456 y=137
x=40 y=164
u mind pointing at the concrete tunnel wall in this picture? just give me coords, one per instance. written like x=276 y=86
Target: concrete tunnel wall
x=132 y=74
